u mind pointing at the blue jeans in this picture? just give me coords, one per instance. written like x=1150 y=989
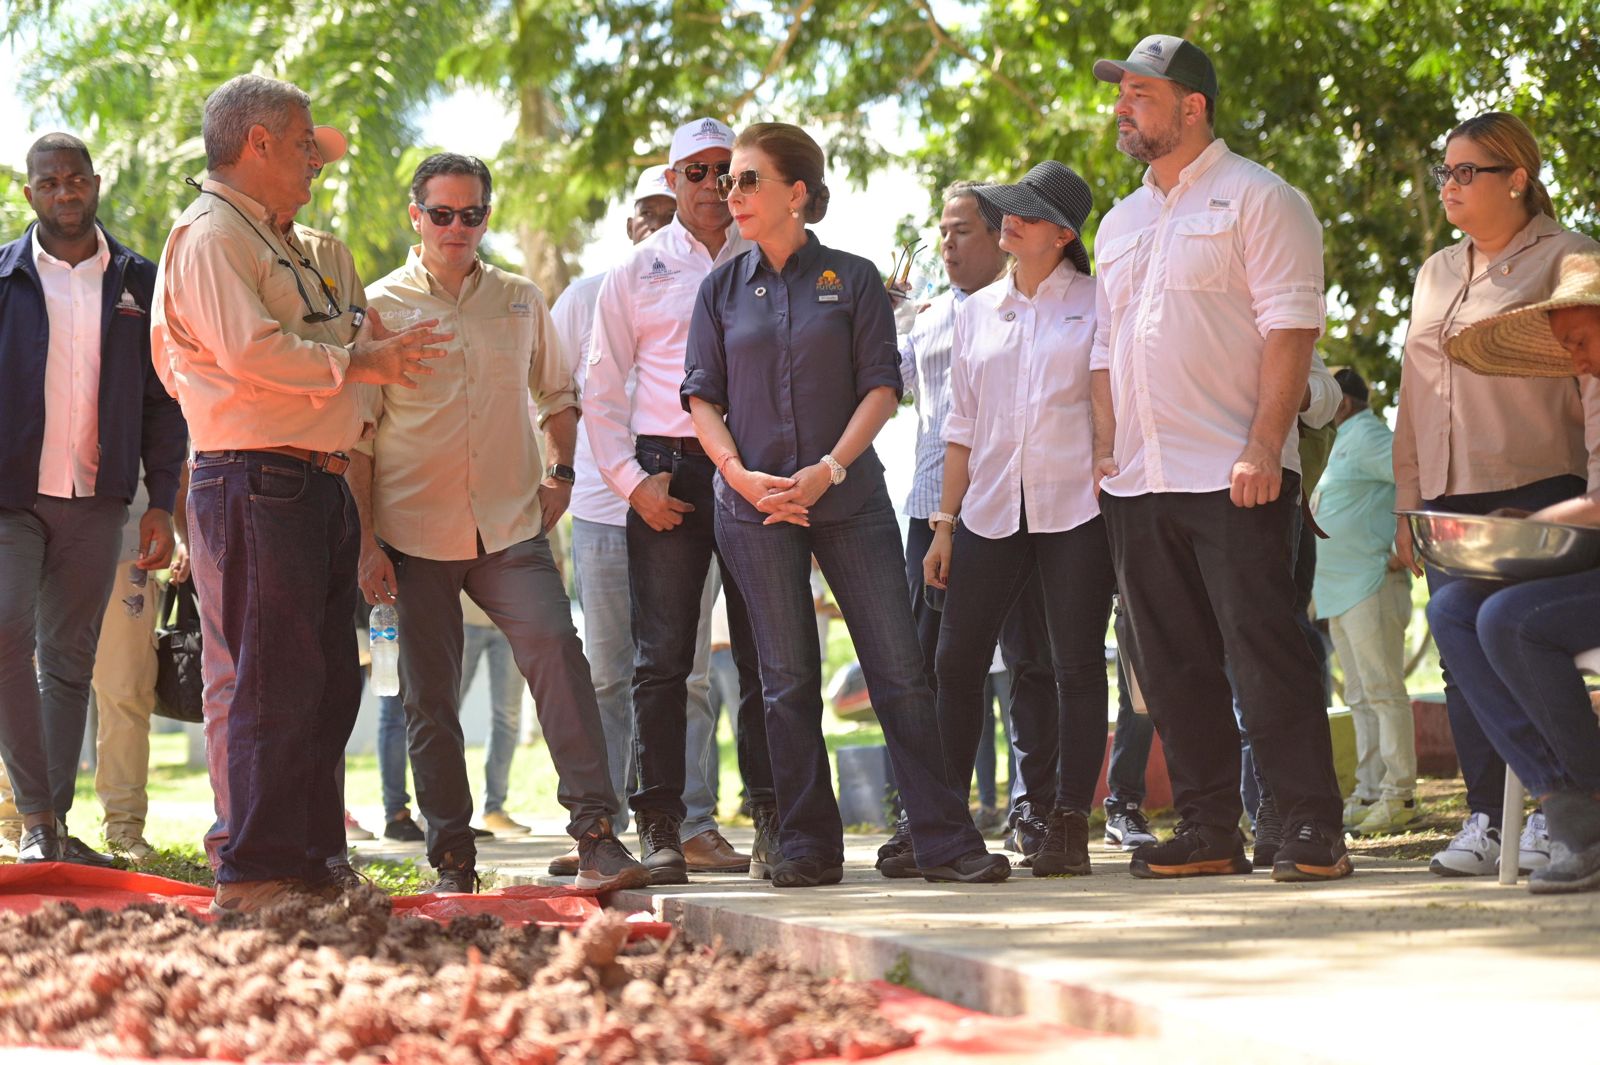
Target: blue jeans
x=861 y=558
x=392 y=755
x=1483 y=768
x=274 y=549
x=1511 y=649
x=505 y=702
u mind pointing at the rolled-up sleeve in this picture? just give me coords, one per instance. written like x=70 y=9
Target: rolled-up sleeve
x=607 y=409
x=1100 y=350
x=550 y=372
x=959 y=422
x=1325 y=394
x=705 y=358
x=876 y=358
x=1283 y=260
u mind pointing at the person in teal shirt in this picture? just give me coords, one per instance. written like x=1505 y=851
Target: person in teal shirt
x=1365 y=596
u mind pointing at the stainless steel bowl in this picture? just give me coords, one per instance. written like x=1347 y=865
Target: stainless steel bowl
x=1502 y=549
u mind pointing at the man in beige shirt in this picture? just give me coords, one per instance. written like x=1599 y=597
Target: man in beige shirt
x=456 y=489
x=261 y=354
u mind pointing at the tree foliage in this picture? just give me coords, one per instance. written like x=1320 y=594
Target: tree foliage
x=1348 y=99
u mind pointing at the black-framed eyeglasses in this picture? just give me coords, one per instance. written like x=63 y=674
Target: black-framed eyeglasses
x=333 y=312
x=746 y=181
x=696 y=172
x=471 y=217
x=1464 y=172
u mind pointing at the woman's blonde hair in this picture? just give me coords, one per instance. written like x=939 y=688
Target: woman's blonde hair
x=1510 y=141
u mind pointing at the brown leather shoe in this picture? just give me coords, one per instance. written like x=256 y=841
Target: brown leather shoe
x=710 y=853
x=567 y=864
x=249 y=896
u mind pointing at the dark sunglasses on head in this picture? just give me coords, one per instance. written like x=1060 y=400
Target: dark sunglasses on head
x=471 y=217
x=696 y=172
x=746 y=181
x=1464 y=172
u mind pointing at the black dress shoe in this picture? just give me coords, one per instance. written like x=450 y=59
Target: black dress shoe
x=40 y=844
x=78 y=852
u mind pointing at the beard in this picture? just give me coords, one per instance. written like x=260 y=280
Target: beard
x=1149 y=145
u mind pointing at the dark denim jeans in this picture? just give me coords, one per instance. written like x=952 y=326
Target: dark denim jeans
x=988 y=578
x=1511 y=647
x=1482 y=767
x=666 y=576
x=861 y=558
x=275 y=547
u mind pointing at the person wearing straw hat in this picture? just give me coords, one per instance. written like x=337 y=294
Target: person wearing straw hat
x=1211 y=300
x=1512 y=648
x=1022 y=488
x=1461 y=439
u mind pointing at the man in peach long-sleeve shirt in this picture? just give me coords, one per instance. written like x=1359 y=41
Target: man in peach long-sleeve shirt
x=258 y=351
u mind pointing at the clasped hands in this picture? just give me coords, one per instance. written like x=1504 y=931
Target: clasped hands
x=781 y=499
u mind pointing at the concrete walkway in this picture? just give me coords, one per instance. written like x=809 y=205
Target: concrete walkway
x=1393 y=964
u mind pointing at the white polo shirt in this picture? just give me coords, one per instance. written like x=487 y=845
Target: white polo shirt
x=1019 y=398
x=70 y=460
x=641 y=327
x=1191 y=283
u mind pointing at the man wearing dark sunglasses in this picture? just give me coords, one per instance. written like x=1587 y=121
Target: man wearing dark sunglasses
x=647 y=452
x=264 y=379
x=456 y=488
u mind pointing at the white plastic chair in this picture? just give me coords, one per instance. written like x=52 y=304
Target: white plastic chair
x=1511 y=821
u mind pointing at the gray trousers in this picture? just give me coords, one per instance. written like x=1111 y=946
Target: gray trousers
x=521 y=591
x=58 y=560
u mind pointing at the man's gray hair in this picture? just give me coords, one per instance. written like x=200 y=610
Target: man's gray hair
x=964 y=188
x=238 y=105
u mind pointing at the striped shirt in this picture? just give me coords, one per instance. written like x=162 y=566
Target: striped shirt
x=925 y=365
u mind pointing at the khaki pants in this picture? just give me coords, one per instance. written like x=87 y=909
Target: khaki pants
x=1370 y=640
x=125 y=695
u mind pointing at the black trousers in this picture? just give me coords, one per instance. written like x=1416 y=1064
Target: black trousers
x=1030 y=717
x=1206 y=582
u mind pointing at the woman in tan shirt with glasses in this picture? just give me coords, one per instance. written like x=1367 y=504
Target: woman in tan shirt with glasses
x=1470 y=444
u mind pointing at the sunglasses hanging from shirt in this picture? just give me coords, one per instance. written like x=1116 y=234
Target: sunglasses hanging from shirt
x=333 y=312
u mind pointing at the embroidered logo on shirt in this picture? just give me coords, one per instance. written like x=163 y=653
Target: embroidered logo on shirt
x=658 y=274
x=1072 y=318
x=1218 y=203
x=126 y=304
x=828 y=287
x=522 y=309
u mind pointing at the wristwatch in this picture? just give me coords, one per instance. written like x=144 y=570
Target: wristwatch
x=836 y=472
x=937 y=516
x=557 y=471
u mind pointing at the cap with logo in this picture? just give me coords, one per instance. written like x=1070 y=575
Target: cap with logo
x=331 y=144
x=1161 y=55
x=1050 y=191
x=697 y=136
x=653 y=182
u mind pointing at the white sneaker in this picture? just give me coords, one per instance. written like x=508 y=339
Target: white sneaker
x=1355 y=809
x=1533 y=846
x=1474 y=852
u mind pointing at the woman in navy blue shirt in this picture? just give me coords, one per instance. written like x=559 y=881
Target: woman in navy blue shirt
x=791 y=371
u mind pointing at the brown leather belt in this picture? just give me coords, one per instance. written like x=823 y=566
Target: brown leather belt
x=689 y=445
x=331 y=462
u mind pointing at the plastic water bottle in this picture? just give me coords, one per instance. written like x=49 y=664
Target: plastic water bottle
x=383 y=628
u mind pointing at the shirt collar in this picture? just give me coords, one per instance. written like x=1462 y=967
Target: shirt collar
x=1056 y=284
x=801 y=262
x=423 y=280
x=253 y=210
x=1538 y=227
x=1195 y=170
x=102 y=250
x=680 y=235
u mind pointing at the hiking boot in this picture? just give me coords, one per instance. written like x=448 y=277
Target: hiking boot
x=1065 y=851
x=499 y=823
x=604 y=864
x=454 y=880
x=895 y=858
x=1387 y=816
x=343 y=878
x=1193 y=850
x=807 y=871
x=567 y=864
x=1567 y=871
x=252 y=896
x=1475 y=850
x=402 y=829
x=764 y=853
x=1126 y=825
x=710 y=852
x=1356 y=809
x=662 y=851
x=1533 y=846
x=1269 y=833
x=974 y=867
x=1312 y=853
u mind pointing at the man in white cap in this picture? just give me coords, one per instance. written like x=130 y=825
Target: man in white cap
x=1210 y=304
x=646 y=450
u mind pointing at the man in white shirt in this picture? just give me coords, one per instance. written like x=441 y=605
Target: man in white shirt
x=646 y=449
x=600 y=570
x=1211 y=302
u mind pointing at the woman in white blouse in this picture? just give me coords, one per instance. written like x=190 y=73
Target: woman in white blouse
x=1018 y=473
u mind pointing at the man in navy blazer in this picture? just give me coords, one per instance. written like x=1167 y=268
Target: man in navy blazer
x=81 y=408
